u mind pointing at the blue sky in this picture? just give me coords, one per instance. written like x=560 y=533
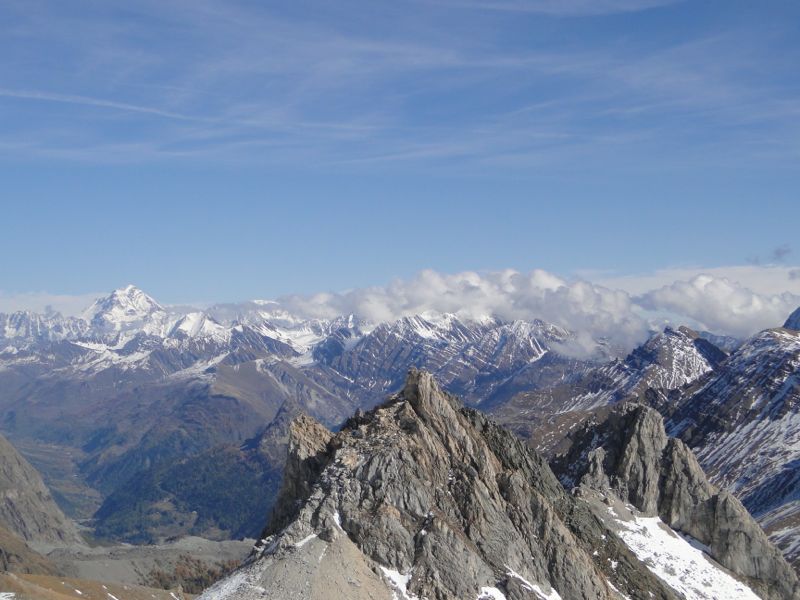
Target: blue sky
x=209 y=150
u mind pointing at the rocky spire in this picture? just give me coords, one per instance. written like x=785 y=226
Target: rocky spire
x=629 y=455
x=422 y=498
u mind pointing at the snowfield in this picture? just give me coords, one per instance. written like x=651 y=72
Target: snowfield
x=681 y=565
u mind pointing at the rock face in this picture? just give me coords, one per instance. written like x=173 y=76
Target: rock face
x=743 y=423
x=629 y=455
x=26 y=507
x=422 y=498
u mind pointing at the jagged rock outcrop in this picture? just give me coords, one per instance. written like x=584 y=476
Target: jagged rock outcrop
x=422 y=498
x=629 y=454
x=27 y=508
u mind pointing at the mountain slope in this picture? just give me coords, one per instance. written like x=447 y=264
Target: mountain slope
x=17 y=557
x=473 y=358
x=667 y=361
x=26 y=506
x=627 y=455
x=422 y=498
x=135 y=389
x=744 y=425
x=221 y=493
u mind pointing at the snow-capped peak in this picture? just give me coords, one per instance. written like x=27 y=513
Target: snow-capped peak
x=199 y=324
x=125 y=308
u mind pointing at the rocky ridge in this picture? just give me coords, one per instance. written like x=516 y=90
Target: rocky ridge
x=743 y=423
x=423 y=498
x=629 y=455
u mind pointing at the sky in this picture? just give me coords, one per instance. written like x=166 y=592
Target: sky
x=221 y=150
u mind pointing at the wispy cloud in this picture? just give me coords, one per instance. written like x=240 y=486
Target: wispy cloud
x=564 y=8
x=768 y=280
x=94 y=102
x=217 y=80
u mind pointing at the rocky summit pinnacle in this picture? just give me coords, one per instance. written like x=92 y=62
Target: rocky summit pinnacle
x=423 y=498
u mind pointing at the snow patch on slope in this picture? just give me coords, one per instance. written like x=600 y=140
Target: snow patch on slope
x=532 y=587
x=399 y=584
x=682 y=566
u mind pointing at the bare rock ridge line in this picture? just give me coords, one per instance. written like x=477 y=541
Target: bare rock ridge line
x=630 y=455
x=422 y=486
x=423 y=498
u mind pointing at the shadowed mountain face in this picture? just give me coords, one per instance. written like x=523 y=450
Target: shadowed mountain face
x=221 y=493
x=26 y=507
x=423 y=498
x=793 y=322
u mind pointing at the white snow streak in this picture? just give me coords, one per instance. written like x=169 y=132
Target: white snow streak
x=683 y=567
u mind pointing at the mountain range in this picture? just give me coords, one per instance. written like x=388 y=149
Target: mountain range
x=125 y=406
x=739 y=413
x=131 y=391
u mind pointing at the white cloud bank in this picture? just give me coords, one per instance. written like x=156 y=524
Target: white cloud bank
x=736 y=301
x=577 y=305
x=721 y=305
x=762 y=279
